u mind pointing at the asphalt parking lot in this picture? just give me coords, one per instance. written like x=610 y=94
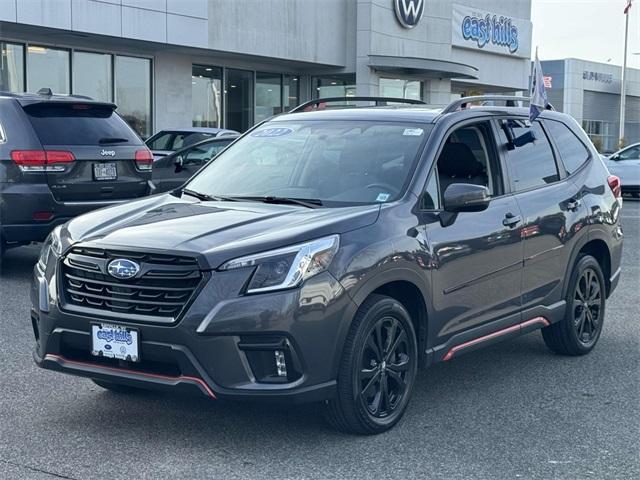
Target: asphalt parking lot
x=513 y=410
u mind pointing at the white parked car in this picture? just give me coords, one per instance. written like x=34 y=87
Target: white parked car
x=625 y=164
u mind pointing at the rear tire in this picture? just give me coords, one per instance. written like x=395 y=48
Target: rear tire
x=578 y=332
x=377 y=369
x=116 y=387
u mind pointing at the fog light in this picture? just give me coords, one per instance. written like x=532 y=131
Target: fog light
x=281 y=363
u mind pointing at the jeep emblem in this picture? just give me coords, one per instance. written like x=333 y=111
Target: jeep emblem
x=108 y=153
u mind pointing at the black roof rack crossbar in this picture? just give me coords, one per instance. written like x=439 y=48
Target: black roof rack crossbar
x=379 y=101
x=509 y=99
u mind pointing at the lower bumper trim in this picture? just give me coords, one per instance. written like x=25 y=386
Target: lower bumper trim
x=87 y=368
x=534 y=322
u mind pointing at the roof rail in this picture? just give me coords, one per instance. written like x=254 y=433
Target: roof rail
x=509 y=99
x=379 y=101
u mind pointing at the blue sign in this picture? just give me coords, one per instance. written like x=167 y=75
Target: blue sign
x=498 y=30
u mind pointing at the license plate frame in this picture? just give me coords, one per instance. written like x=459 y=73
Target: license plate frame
x=105 y=171
x=115 y=341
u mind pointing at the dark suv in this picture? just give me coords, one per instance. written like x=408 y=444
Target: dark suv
x=326 y=255
x=61 y=156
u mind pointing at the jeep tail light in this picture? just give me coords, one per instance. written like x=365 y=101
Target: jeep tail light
x=144 y=159
x=616 y=185
x=41 y=160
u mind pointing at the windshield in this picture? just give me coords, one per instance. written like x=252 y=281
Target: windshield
x=335 y=162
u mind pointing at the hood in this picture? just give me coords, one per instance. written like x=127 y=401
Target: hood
x=213 y=231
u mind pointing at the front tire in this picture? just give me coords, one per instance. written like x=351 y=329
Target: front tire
x=578 y=332
x=377 y=369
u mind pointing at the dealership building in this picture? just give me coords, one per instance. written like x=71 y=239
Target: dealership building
x=590 y=92
x=232 y=63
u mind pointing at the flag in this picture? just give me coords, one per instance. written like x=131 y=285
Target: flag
x=538 y=100
x=628 y=7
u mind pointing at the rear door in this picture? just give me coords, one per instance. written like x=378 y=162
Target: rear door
x=93 y=155
x=551 y=207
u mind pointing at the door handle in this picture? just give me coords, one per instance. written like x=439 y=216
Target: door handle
x=573 y=204
x=511 y=220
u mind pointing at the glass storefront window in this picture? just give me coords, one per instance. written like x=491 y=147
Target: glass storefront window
x=206 y=98
x=11 y=67
x=268 y=95
x=48 y=68
x=133 y=92
x=399 y=88
x=239 y=95
x=334 y=86
x=291 y=92
x=92 y=75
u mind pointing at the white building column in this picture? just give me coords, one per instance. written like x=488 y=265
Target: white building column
x=437 y=92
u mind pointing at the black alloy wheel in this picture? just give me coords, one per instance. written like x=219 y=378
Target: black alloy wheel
x=384 y=365
x=578 y=332
x=587 y=307
x=377 y=369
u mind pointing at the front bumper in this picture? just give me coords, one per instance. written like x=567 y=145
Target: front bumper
x=223 y=346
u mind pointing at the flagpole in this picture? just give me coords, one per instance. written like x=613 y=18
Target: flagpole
x=623 y=93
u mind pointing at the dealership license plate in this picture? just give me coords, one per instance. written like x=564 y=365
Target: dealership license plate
x=114 y=341
x=105 y=171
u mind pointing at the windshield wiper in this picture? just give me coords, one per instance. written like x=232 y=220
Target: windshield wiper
x=205 y=197
x=304 y=202
x=106 y=140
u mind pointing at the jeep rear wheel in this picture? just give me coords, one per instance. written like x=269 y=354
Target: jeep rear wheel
x=378 y=369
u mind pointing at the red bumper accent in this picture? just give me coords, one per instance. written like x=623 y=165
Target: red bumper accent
x=543 y=322
x=84 y=366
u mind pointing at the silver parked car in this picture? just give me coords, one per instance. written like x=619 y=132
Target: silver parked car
x=625 y=164
x=165 y=142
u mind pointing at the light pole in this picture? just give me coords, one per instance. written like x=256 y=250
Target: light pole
x=623 y=93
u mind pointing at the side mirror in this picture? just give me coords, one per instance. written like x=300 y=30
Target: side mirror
x=178 y=162
x=615 y=157
x=465 y=197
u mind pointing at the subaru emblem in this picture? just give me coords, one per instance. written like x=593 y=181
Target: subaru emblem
x=123 y=269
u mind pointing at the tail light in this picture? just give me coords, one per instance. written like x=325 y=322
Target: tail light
x=616 y=186
x=41 y=160
x=144 y=159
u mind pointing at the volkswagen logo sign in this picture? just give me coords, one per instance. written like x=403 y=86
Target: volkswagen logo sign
x=123 y=269
x=409 y=12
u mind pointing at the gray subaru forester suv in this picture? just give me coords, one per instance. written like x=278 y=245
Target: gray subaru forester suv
x=326 y=255
x=61 y=156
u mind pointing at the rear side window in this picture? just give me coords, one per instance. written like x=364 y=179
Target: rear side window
x=175 y=140
x=79 y=124
x=572 y=151
x=532 y=165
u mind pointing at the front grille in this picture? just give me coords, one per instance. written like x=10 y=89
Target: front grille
x=160 y=291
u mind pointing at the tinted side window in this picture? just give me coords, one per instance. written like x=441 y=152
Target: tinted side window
x=532 y=165
x=572 y=151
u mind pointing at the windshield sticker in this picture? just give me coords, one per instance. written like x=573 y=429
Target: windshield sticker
x=412 y=132
x=382 y=197
x=273 y=132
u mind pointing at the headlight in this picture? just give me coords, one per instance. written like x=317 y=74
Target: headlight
x=51 y=245
x=287 y=267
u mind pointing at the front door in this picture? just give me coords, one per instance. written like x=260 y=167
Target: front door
x=476 y=256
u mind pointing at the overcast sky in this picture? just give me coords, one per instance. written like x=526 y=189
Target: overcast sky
x=586 y=29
